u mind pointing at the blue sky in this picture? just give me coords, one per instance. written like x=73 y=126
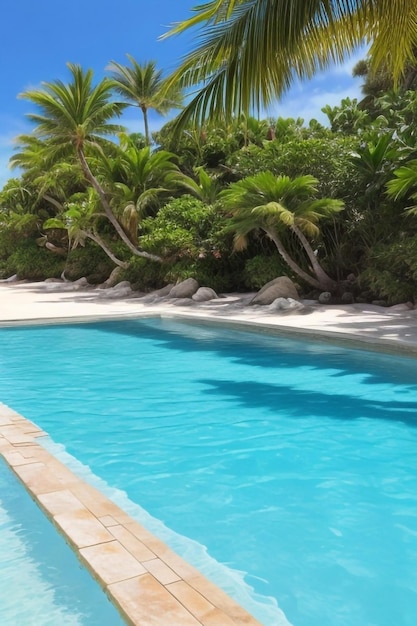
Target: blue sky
x=40 y=36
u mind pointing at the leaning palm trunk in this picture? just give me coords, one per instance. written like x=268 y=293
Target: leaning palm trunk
x=314 y=282
x=99 y=241
x=326 y=283
x=109 y=213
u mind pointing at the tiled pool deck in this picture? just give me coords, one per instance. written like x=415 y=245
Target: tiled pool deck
x=146 y=580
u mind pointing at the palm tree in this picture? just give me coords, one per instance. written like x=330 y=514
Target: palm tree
x=75 y=119
x=80 y=218
x=144 y=87
x=251 y=51
x=273 y=204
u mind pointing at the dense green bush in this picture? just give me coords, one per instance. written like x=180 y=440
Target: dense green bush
x=391 y=272
x=31 y=262
x=144 y=274
x=89 y=261
x=261 y=269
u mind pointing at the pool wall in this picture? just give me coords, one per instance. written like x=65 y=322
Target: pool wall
x=148 y=583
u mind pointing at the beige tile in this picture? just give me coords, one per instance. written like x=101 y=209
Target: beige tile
x=175 y=562
x=37 y=479
x=147 y=603
x=96 y=502
x=216 y=617
x=131 y=543
x=82 y=528
x=161 y=571
x=58 y=502
x=15 y=457
x=107 y=520
x=222 y=601
x=112 y=562
x=197 y=604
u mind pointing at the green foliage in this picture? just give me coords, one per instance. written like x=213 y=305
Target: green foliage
x=261 y=269
x=31 y=262
x=184 y=227
x=144 y=274
x=326 y=158
x=391 y=271
x=89 y=261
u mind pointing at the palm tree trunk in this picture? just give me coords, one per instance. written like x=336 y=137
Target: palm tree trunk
x=107 y=209
x=273 y=235
x=146 y=123
x=99 y=241
x=326 y=283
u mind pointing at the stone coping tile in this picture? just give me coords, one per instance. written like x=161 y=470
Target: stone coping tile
x=82 y=527
x=139 y=550
x=145 y=600
x=161 y=571
x=148 y=582
x=111 y=562
x=197 y=604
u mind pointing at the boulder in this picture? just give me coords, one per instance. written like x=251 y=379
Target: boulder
x=186 y=289
x=325 y=297
x=347 y=297
x=281 y=287
x=122 y=290
x=113 y=278
x=11 y=279
x=204 y=294
x=285 y=304
x=82 y=282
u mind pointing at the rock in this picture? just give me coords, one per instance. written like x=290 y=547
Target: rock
x=117 y=292
x=379 y=303
x=113 y=278
x=347 y=298
x=204 y=294
x=186 y=289
x=406 y=306
x=285 y=304
x=82 y=282
x=164 y=291
x=11 y=279
x=122 y=285
x=53 y=280
x=325 y=297
x=281 y=287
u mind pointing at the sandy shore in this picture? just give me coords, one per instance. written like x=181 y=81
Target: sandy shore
x=392 y=328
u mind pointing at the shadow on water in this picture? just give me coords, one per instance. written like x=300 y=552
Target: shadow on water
x=295 y=403
x=265 y=350
x=74 y=591
x=253 y=348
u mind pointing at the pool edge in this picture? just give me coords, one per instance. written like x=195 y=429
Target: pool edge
x=136 y=570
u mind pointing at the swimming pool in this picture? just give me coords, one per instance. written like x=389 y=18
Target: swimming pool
x=41 y=581
x=293 y=463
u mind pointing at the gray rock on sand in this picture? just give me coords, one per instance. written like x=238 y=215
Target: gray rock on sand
x=325 y=297
x=285 y=304
x=282 y=287
x=204 y=294
x=186 y=289
x=121 y=290
x=11 y=279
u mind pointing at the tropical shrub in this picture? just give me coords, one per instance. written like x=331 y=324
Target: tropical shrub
x=261 y=269
x=31 y=262
x=391 y=272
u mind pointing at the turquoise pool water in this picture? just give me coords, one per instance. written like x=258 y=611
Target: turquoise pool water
x=41 y=581
x=293 y=463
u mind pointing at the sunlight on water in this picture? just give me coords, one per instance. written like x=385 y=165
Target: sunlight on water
x=291 y=464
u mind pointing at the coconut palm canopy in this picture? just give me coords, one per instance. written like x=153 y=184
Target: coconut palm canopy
x=250 y=51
